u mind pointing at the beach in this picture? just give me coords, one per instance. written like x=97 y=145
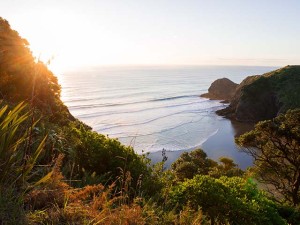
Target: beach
x=220 y=144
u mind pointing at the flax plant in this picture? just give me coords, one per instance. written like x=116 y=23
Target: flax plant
x=16 y=165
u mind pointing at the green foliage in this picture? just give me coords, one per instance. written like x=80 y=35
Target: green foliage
x=283 y=84
x=257 y=89
x=263 y=97
x=191 y=163
x=196 y=162
x=16 y=157
x=227 y=168
x=286 y=83
x=108 y=158
x=275 y=146
x=226 y=200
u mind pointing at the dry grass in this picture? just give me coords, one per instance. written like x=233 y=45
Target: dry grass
x=56 y=202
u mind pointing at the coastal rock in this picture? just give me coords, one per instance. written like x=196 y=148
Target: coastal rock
x=264 y=96
x=221 y=89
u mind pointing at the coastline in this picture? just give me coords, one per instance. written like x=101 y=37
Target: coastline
x=218 y=145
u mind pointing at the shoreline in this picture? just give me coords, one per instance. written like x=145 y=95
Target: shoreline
x=218 y=145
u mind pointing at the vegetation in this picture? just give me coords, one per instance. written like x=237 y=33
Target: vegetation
x=263 y=97
x=196 y=162
x=55 y=170
x=275 y=146
x=284 y=82
x=20 y=73
x=227 y=200
x=17 y=157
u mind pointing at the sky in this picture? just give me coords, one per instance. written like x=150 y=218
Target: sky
x=78 y=33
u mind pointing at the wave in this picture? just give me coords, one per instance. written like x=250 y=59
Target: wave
x=130 y=135
x=97 y=114
x=175 y=97
x=84 y=106
x=207 y=112
x=101 y=97
x=144 y=122
x=187 y=148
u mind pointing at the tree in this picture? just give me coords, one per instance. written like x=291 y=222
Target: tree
x=191 y=163
x=275 y=147
x=227 y=168
x=196 y=162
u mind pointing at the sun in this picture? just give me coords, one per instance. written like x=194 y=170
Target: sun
x=64 y=40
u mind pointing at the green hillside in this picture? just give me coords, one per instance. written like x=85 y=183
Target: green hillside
x=264 y=97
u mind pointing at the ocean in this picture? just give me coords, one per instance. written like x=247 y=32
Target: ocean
x=154 y=107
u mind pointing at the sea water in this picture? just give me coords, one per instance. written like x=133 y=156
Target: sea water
x=150 y=107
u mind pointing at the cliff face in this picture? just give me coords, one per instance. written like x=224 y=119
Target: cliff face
x=263 y=97
x=221 y=89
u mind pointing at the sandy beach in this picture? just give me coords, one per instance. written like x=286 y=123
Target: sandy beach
x=220 y=144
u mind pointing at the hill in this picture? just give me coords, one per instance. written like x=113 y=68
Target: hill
x=264 y=97
x=221 y=89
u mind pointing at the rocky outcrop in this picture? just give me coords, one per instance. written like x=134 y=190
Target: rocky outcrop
x=221 y=89
x=264 y=97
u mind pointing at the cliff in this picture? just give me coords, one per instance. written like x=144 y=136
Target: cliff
x=263 y=97
x=221 y=89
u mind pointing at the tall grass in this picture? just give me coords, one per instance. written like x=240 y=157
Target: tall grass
x=16 y=164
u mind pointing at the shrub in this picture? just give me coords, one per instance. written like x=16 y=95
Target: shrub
x=226 y=200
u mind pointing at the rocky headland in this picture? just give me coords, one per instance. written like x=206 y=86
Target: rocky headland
x=221 y=89
x=260 y=97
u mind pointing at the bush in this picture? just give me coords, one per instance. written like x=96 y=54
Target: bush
x=226 y=200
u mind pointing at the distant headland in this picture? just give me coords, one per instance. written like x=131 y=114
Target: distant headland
x=258 y=97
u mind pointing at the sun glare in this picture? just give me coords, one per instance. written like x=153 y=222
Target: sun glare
x=64 y=43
